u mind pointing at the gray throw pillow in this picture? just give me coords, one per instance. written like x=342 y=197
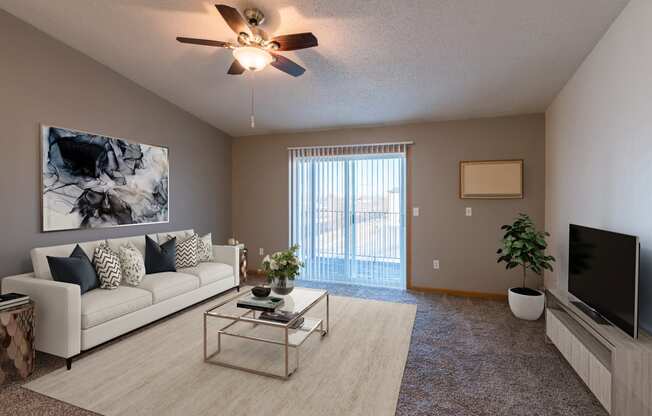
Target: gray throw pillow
x=160 y=258
x=76 y=269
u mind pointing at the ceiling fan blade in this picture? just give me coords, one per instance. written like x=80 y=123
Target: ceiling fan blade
x=205 y=42
x=236 y=68
x=287 y=65
x=296 y=41
x=233 y=18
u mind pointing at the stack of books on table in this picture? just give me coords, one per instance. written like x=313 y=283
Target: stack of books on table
x=268 y=304
x=11 y=300
x=283 y=317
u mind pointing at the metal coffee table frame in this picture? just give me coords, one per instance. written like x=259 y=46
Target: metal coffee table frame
x=309 y=326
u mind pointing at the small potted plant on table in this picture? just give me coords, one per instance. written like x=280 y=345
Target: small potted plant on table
x=523 y=246
x=281 y=268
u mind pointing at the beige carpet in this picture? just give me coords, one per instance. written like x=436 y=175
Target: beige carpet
x=355 y=370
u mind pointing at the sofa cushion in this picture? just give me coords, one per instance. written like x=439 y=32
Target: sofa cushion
x=209 y=272
x=138 y=242
x=168 y=284
x=40 y=261
x=180 y=235
x=99 y=306
x=76 y=269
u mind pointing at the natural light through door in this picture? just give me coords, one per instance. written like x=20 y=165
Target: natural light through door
x=348 y=213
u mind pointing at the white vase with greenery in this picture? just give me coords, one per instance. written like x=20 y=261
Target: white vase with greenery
x=281 y=268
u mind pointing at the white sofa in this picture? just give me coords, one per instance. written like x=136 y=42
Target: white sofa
x=68 y=323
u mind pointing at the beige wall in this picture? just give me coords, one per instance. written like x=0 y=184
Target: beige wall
x=44 y=81
x=465 y=246
x=599 y=146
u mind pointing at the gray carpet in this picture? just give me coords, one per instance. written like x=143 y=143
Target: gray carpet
x=467 y=357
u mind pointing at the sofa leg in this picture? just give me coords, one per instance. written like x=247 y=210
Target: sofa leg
x=68 y=363
x=237 y=288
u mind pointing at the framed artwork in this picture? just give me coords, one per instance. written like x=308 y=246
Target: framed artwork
x=491 y=179
x=95 y=181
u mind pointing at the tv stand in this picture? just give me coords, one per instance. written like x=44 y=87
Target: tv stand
x=597 y=318
x=615 y=367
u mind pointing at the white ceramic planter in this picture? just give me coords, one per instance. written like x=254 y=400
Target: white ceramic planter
x=529 y=307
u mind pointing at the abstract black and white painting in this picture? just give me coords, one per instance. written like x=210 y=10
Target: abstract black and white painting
x=93 y=181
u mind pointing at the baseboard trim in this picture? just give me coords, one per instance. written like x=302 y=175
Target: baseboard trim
x=461 y=293
x=450 y=292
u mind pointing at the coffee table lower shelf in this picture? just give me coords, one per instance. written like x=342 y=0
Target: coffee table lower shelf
x=245 y=322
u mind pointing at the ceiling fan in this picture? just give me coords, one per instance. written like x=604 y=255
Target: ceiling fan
x=255 y=49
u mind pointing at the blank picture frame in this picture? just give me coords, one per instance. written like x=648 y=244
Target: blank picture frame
x=491 y=179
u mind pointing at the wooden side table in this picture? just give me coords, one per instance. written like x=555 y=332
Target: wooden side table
x=17 y=353
x=243 y=263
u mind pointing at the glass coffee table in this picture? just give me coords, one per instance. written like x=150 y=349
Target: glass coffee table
x=244 y=324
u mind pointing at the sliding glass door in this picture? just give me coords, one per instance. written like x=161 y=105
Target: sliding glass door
x=348 y=217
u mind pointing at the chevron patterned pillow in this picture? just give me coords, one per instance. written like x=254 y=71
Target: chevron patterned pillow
x=107 y=266
x=186 y=252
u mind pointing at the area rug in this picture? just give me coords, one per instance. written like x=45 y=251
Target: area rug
x=355 y=370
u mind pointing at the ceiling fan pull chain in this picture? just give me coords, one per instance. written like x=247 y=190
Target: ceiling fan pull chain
x=253 y=114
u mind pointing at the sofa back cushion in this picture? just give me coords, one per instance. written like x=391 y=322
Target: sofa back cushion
x=180 y=235
x=138 y=242
x=39 y=256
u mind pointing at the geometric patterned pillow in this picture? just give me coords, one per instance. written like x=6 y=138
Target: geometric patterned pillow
x=187 y=252
x=204 y=247
x=107 y=266
x=132 y=264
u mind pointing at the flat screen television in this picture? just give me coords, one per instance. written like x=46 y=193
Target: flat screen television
x=603 y=274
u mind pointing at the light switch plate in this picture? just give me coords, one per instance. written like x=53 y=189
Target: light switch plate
x=415 y=211
x=435 y=264
x=469 y=211
x=261 y=251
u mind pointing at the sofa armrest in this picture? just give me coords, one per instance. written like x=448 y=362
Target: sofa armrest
x=229 y=255
x=57 y=326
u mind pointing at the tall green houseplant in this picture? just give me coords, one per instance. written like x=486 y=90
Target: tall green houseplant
x=523 y=246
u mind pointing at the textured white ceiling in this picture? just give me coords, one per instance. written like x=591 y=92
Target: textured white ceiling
x=378 y=62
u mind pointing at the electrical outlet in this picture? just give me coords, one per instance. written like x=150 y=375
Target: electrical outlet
x=469 y=211
x=261 y=251
x=435 y=264
x=415 y=211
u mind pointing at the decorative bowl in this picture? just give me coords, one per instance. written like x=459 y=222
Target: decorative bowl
x=261 y=292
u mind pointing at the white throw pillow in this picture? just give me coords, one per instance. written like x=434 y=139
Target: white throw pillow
x=132 y=264
x=107 y=267
x=205 y=247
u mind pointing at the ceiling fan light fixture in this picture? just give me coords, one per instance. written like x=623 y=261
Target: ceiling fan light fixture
x=252 y=58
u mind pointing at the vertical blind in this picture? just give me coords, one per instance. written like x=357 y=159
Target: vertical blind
x=348 y=213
